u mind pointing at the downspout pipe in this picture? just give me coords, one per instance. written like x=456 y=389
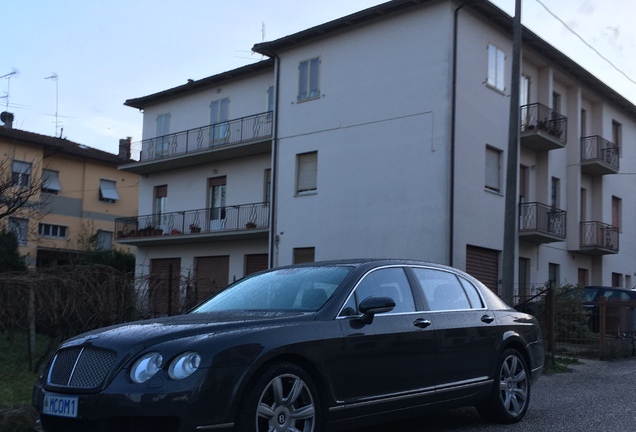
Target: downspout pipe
x=451 y=227
x=273 y=238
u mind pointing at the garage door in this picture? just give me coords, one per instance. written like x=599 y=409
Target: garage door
x=483 y=264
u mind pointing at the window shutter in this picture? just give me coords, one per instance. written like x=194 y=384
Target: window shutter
x=307 y=172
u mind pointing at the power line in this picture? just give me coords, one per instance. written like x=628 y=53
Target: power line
x=616 y=68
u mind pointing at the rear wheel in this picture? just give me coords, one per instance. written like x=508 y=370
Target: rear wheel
x=282 y=399
x=510 y=396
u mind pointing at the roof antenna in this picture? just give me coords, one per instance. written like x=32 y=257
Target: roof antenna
x=8 y=76
x=54 y=77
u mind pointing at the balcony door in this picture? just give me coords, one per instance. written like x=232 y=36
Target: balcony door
x=161 y=199
x=216 y=200
x=219 y=116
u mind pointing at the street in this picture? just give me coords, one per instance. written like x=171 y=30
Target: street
x=594 y=396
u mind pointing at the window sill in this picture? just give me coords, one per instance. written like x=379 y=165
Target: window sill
x=494 y=192
x=496 y=89
x=307 y=99
x=306 y=193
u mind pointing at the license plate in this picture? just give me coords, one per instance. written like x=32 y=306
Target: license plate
x=61 y=406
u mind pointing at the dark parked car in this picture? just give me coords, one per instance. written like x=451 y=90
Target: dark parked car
x=620 y=308
x=302 y=348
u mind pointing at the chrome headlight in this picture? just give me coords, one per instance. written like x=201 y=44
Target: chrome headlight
x=146 y=367
x=184 y=365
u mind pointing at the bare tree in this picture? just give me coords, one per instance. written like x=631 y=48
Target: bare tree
x=20 y=189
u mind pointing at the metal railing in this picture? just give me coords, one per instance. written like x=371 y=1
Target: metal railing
x=241 y=130
x=596 y=148
x=598 y=234
x=539 y=117
x=209 y=220
x=539 y=217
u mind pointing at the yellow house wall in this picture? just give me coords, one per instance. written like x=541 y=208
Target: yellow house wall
x=77 y=206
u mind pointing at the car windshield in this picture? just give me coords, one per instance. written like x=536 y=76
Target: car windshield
x=297 y=289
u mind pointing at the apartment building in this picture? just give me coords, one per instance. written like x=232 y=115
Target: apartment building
x=76 y=193
x=384 y=134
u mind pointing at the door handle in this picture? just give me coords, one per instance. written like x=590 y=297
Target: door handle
x=487 y=319
x=421 y=323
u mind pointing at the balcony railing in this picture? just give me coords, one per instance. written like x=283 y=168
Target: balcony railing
x=599 y=238
x=211 y=220
x=543 y=128
x=599 y=156
x=241 y=130
x=541 y=223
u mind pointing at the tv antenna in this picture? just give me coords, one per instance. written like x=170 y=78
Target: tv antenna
x=8 y=76
x=54 y=77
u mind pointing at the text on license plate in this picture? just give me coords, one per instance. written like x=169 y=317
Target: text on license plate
x=57 y=405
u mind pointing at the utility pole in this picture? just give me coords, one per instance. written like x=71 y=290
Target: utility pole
x=511 y=218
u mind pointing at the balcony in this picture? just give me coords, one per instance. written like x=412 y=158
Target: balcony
x=540 y=223
x=244 y=221
x=598 y=156
x=598 y=238
x=246 y=136
x=542 y=128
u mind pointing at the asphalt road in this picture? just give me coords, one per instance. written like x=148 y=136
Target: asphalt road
x=594 y=396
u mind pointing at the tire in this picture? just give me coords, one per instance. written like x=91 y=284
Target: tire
x=510 y=395
x=282 y=399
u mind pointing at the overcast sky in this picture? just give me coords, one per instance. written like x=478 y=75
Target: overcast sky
x=104 y=52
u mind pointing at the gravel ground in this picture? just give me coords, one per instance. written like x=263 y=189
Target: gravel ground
x=594 y=396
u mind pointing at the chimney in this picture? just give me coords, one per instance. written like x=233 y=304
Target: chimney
x=7 y=118
x=124 y=148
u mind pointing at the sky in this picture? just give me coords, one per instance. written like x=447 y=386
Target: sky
x=83 y=59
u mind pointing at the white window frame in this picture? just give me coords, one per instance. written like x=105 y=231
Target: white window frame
x=21 y=173
x=108 y=191
x=51 y=181
x=162 y=144
x=307 y=173
x=219 y=117
x=54 y=231
x=493 y=169
x=496 y=68
x=309 y=79
x=20 y=227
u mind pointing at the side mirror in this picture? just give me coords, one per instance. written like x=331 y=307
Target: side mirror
x=375 y=305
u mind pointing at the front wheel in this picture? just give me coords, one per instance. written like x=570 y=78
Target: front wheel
x=283 y=399
x=510 y=396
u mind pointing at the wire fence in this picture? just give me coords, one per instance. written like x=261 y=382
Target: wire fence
x=575 y=326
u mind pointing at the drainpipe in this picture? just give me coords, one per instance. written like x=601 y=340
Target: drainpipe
x=451 y=235
x=273 y=237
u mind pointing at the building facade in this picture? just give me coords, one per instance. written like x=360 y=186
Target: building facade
x=75 y=195
x=384 y=134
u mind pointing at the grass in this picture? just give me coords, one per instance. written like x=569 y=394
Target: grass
x=17 y=380
x=560 y=364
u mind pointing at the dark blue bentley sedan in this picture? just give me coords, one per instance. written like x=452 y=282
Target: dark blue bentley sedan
x=302 y=348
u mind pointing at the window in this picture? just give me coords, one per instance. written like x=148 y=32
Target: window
x=388 y=282
x=21 y=174
x=617 y=280
x=496 y=67
x=308 y=79
x=524 y=279
x=556 y=101
x=583 y=209
x=493 y=169
x=583 y=123
x=583 y=277
x=553 y=275
x=523 y=183
x=304 y=255
x=162 y=147
x=524 y=90
x=48 y=230
x=268 y=185
x=104 y=240
x=219 y=115
x=555 y=194
x=51 y=181
x=270 y=99
x=306 y=173
x=19 y=227
x=216 y=191
x=161 y=201
x=617 y=134
x=617 y=205
x=108 y=191
x=443 y=290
